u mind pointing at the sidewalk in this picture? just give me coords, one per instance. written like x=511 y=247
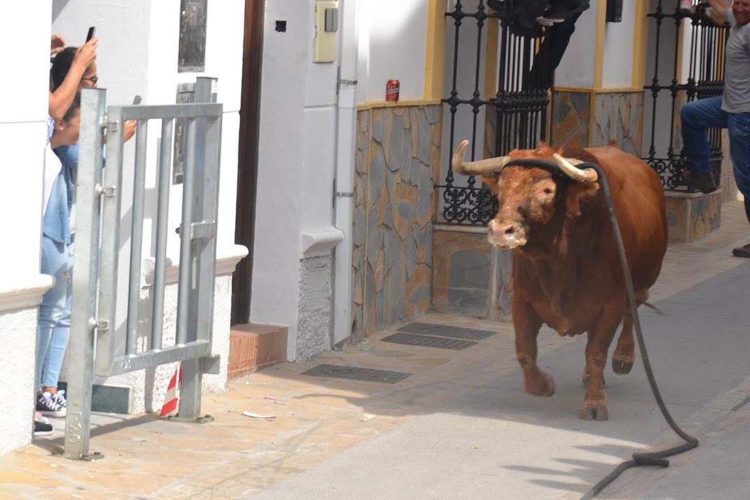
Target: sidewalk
x=459 y=426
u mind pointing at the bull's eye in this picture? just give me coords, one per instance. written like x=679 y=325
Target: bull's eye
x=547 y=190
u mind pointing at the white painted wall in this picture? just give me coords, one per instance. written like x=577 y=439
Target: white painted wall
x=24 y=97
x=278 y=218
x=618 y=49
x=392 y=46
x=577 y=66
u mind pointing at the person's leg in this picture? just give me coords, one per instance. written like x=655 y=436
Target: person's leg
x=697 y=117
x=53 y=302
x=738 y=126
x=550 y=54
x=566 y=8
x=53 y=324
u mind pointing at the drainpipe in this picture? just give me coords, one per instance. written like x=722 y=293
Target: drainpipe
x=346 y=124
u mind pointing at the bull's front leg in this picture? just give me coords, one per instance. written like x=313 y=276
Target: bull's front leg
x=527 y=324
x=599 y=339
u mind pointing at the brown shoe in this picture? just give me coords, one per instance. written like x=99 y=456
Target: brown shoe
x=743 y=251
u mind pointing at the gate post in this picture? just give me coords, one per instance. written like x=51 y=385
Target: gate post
x=83 y=318
x=203 y=142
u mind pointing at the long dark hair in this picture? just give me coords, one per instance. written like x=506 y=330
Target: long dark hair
x=60 y=66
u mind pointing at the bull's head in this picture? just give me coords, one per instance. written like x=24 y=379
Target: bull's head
x=530 y=198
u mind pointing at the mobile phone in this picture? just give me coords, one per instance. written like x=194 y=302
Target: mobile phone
x=137 y=99
x=90 y=34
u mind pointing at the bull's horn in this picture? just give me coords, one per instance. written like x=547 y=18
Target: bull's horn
x=488 y=166
x=568 y=165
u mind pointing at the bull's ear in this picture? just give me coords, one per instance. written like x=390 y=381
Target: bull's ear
x=490 y=181
x=578 y=194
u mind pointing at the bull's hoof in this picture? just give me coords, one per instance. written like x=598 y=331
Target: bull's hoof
x=543 y=386
x=621 y=366
x=598 y=412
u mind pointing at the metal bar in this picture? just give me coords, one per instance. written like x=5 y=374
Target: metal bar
x=162 y=213
x=192 y=350
x=187 y=111
x=110 y=238
x=185 y=283
x=203 y=171
x=81 y=352
x=136 y=237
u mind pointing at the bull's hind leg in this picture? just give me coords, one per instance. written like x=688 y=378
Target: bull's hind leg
x=624 y=355
x=527 y=324
x=599 y=339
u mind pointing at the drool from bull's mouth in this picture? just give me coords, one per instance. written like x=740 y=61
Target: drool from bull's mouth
x=566 y=271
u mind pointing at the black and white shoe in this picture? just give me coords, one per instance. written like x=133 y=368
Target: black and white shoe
x=48 y=406
x=59 y=398
x=42 y=428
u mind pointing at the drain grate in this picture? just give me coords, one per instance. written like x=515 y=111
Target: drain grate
x=454 y=332
x=427 y=341
x=356 y=373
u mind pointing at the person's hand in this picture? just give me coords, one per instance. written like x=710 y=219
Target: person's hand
x=86 y=54
x=57 y=44
x=129 y=129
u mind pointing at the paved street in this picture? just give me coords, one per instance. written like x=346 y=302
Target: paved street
x=460 y=425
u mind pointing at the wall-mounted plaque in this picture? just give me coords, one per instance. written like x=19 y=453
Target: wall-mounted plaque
x=192 y=55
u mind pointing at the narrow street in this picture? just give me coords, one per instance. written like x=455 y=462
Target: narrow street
x=459 y=425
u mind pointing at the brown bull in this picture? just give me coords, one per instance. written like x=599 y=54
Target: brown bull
x=566 y=269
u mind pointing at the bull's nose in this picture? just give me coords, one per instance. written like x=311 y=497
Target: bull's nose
x=502 y=230
x=506 y=235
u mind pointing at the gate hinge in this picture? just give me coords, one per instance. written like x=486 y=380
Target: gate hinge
x=112 y=126
x=100 y=325
x=345 y=194
x=105 y=190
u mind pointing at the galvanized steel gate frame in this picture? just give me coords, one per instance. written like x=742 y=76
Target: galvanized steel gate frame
x=94 y=335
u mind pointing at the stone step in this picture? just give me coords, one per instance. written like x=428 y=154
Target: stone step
x=253 y=347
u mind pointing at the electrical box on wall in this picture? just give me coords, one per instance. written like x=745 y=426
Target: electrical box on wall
x=326 y=31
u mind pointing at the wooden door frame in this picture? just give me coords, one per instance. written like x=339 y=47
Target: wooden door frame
x=247 y=160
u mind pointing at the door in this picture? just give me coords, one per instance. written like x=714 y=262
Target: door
x=247 y=167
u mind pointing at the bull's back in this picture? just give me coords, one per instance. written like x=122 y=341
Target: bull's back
x=638 y=197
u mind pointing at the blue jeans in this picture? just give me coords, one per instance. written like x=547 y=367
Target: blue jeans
x=700 y=115
x=53 y=329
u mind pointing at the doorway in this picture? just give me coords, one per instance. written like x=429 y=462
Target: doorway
x=247 y=167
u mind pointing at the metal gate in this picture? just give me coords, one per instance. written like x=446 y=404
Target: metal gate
x=687 y=61
x=516 y=115
x=98 y=345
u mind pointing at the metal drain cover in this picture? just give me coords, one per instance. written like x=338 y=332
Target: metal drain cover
x=356 y=373
x=428 y=341
x=454 y=332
